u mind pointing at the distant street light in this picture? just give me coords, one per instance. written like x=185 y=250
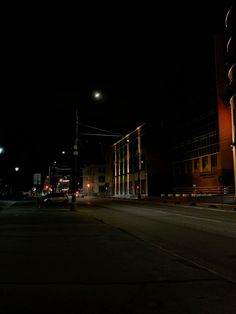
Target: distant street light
x=1 y=150
x=97 y=95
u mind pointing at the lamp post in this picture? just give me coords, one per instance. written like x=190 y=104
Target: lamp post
x=16 y=182
x=232 y=101
x=1 y=153
x=231 y=87
x=75 y=157
x=97 y=96
x=233 y=121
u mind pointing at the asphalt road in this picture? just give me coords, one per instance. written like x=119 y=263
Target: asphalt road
x=117 y=257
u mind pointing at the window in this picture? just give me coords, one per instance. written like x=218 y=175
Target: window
x=101 y=179
x=101 y=170
x=189 y=166
x=213 y=160
x=205 y=163
x=196 y=164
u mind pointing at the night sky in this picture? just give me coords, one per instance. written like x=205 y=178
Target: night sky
x=146 y=60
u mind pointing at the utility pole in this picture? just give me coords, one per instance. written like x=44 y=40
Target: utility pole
x=139 y=165
x=75 y=160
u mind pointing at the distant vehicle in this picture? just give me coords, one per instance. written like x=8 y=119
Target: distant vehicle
x=54 y=198
x=80 y=193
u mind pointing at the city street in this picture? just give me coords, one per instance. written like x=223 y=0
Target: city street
x=117 y=256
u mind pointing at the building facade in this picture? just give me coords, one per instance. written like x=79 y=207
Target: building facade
x=140 y=165
x=96 y=180
x=129 y=165
x=202 y=159
x=192 y=154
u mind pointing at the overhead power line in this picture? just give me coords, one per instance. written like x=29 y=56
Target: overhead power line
x=102 y=130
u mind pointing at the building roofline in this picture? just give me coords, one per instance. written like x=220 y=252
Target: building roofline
x=129 y=134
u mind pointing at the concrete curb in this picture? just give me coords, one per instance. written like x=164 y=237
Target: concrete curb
x=200 y=204
x=215 y=205
x=6 y=204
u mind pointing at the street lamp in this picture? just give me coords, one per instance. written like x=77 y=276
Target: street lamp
x=231 y=86
x=97 y=96
x=233 y=119
x=88 y=188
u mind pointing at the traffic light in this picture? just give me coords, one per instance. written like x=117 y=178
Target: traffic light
x=230 y=25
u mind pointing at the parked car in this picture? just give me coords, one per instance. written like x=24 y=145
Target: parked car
x=80 y=193
x=54 y=198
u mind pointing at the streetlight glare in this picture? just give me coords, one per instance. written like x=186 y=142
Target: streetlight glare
x=97 y=95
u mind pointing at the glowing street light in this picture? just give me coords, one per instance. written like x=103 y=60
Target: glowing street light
x=97 y=95
x=1 y=150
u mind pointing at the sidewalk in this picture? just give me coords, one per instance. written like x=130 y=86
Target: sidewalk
x=54 y=260
x=215 y=201
x=5 y=204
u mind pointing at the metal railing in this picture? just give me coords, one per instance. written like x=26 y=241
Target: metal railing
x=206 y=190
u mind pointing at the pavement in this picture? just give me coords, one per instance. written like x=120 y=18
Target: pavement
x=58 y=261
x=6 y=203
x=214 y=201
x=223 y=202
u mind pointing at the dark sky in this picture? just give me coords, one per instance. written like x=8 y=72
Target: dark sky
x=145 y=59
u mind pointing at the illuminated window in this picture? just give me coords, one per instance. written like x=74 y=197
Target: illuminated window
x=101 y=179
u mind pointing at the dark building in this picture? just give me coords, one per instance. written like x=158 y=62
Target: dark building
x=191 y=148
x=190 y=153
x=202 y=159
